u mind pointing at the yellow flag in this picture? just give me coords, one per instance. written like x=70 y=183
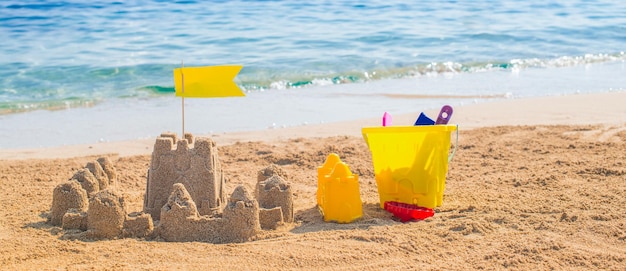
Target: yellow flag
x=208 y=81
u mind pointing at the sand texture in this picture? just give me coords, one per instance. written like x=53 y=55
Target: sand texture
x=517 y=197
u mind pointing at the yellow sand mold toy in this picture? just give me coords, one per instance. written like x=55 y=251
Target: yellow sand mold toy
x=338 y=195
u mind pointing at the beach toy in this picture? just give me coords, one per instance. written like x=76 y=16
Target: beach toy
x=424 y=120
x=406 y=212
x=444 y=115
x=410 y=162
x=386 y=119
x=339 y=196
x=324 y=170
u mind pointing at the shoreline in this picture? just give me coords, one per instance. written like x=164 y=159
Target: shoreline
x=577 y=109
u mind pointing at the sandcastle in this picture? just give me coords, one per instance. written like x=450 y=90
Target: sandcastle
x=197 y=168
x=184 y=199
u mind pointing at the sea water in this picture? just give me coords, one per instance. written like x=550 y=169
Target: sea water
x=74 y=72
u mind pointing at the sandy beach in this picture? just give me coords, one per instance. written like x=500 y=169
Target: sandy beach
x=535 y=184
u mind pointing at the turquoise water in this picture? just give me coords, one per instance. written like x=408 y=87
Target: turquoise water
x=72 y=58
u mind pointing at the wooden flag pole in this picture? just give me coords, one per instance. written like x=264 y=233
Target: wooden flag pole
x=182 y=65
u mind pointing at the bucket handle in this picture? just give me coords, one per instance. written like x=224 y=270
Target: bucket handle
x=456 y=145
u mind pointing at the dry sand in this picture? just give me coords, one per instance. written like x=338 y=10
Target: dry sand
x=540 y=185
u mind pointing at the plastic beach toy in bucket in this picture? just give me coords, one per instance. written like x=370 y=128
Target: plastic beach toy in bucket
x=410 y=162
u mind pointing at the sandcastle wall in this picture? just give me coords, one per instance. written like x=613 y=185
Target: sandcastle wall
x=181 y=222
x=194 y=164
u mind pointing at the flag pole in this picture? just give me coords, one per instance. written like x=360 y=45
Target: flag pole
x=182 y=65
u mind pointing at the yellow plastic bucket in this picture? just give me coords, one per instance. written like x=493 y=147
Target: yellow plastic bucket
x=410 y=162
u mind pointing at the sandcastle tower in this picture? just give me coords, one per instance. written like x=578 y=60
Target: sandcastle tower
x=274 y=196
x=106 y=214
x=241 y=217
x=275 y=192
x=193 y=164
x=67 y=196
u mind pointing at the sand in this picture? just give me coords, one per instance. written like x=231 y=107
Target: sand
x=539 y=185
